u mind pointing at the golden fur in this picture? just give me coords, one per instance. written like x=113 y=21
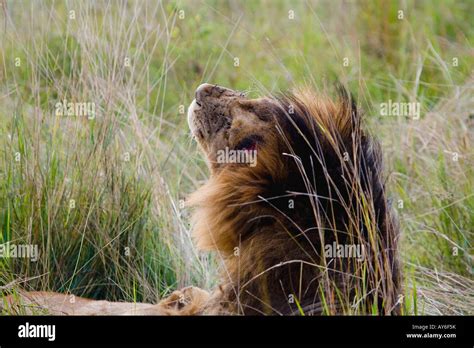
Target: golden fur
x=187 y=301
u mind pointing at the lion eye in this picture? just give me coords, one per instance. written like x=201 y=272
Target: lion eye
x=249 y=143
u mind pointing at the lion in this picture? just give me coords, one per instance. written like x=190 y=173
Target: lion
x=295 y=207
x=316 y=187
x=187 y=301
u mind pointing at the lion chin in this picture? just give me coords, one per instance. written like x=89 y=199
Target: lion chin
x=295 y=206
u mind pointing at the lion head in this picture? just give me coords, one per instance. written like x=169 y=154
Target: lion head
x=226 y=122
x=291 y=175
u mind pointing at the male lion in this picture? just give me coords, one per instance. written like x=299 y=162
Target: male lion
x=295 y=207
x=282 y=225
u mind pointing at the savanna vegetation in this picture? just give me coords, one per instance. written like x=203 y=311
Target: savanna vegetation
x=102 y=194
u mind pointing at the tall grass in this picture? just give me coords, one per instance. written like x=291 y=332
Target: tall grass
x=102 y=197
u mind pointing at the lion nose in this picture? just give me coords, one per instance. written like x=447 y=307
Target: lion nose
x=206 y=90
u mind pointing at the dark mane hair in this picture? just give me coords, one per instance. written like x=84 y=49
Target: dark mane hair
x=272 y=224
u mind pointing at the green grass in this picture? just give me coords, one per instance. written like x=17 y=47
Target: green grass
x=102 y=197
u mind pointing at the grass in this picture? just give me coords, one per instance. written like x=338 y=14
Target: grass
x=103 y=197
